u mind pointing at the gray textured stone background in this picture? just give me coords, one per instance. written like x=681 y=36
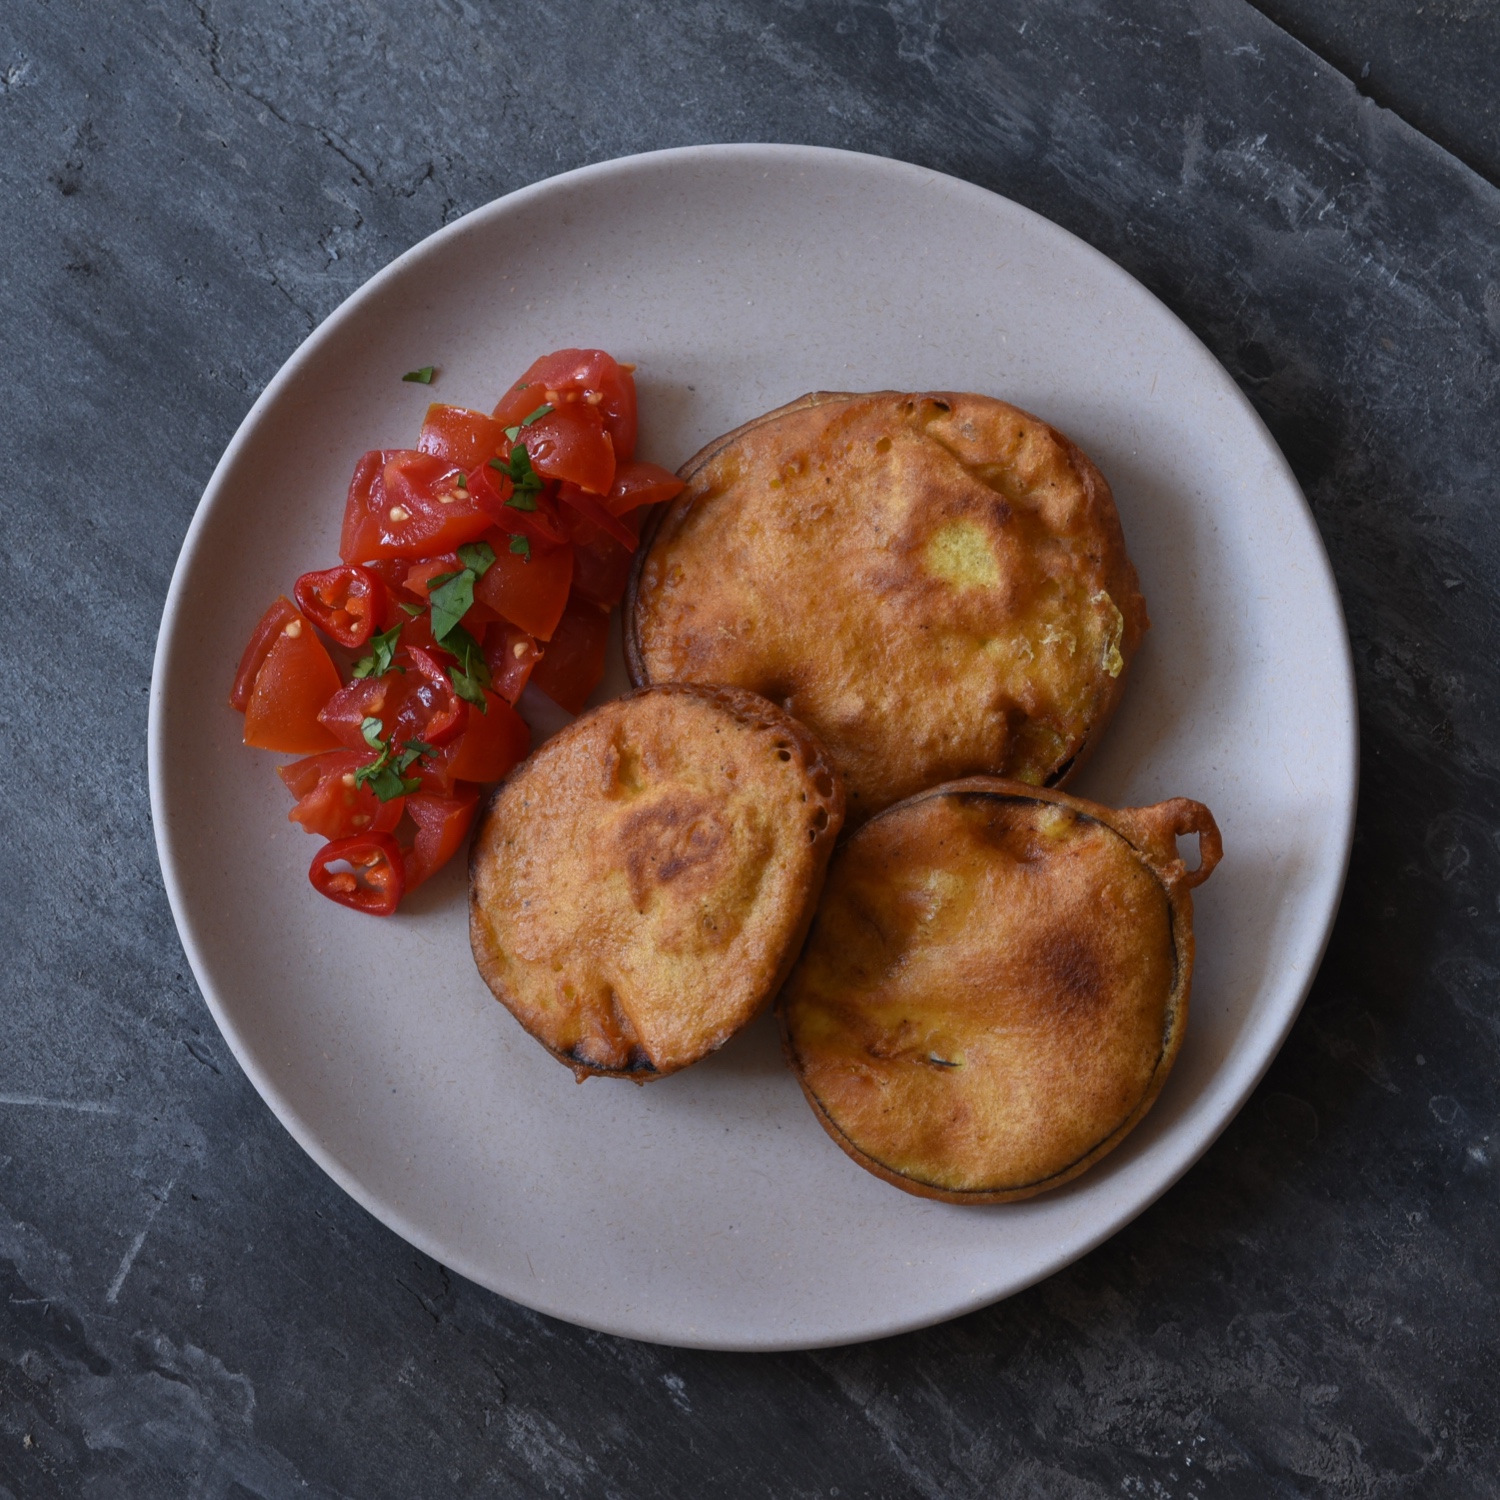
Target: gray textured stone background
x=189 y=1307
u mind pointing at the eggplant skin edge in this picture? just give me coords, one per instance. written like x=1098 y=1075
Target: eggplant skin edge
x=1151 y=833
x=857 y=520
x=620 y=831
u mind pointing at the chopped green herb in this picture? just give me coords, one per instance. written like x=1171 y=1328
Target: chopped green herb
x=468 y=689
x=386 y=774
x=478 y=557
x=512 y=433
x=422 y=376
x=521 y=547
x=450 y=602
x=412 y=609
x=382 y=657
x=536 y=416
x=525 y=481
x=471 y=676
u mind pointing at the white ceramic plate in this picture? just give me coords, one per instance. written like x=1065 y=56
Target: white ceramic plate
x=710 y=1209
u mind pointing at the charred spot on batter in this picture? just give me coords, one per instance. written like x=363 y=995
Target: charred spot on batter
x=678 y=836
x=1071 y=973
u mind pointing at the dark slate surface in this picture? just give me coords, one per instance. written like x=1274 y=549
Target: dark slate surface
x=191 y=1308
x=1436 y=63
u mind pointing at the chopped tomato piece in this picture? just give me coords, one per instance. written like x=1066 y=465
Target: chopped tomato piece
x=364 y=698
x=417 y=631
x=492 y=742
x=601 y=567
x=347 y=603
x=589 y=376
x=419 y=582
x=430 y=709
x=294 y=682
x=510 y=653
x=403 y=503
x=574 y=662
x=442 y=824
x=413 y=701
x=639 y=483
x=330 y=802
x=262 y=639
x=597 y=514
x=572 y=443
x=528 y=591
x=467 y=438
x=493 y=493
x=365 y=872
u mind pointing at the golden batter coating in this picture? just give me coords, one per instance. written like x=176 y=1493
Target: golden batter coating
x=639 y=887
x=996 y=985
x=936 y=584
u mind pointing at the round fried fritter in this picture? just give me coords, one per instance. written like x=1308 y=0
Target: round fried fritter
x=996 y=985
x=639 y=888
x=936 y=584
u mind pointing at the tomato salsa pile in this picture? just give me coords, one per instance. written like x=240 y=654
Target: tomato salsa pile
x=486 y=557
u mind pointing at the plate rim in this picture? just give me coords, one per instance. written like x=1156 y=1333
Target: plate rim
x=1239 y=1082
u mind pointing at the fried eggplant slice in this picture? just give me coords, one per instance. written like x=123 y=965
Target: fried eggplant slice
x=996 y=985
x=639 y=888
x=936 y=584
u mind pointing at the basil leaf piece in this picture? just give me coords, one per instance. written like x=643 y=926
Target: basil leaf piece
x=470 y=656
x=388 y=784
x=450 y=603
x=414 y=751
x=422 y=376
x=512 y=433
x=536 y=416
x=371 y=727
x=526 y=483
x=472 y=675
x=521 y=547
x=411 y=609
x=477 y=557
x=468 y=689
x=382 y=654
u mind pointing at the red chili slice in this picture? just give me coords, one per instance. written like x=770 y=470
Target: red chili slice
x=346 y=602
x=365 y=872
